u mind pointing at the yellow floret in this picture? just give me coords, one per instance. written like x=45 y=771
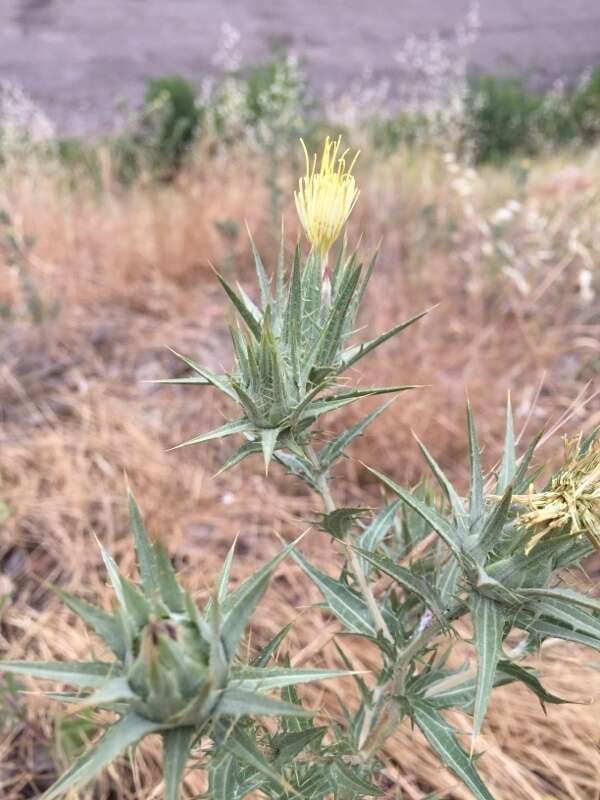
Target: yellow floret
x=326 y=196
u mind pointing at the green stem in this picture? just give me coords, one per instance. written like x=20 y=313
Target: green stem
x=322 y=484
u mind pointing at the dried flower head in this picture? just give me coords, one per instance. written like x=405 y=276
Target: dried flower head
x=572 y=502
x=326 y=196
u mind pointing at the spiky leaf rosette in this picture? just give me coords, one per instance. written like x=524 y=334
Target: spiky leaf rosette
x=291 y=348
x=174 y=669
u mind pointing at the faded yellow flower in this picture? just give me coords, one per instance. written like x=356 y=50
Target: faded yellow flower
x=326 y=196
x=572 y=501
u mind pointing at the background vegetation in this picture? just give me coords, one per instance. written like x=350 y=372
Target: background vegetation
x=491 y=211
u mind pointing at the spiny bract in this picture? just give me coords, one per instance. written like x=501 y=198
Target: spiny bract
x=174 y=671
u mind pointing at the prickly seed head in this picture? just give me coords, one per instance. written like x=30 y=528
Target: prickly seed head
x=572 y=502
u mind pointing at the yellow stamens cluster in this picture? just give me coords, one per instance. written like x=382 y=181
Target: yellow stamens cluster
x=326 y=196
x=572 y=503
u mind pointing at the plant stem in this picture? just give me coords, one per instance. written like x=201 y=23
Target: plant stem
x=322 y=483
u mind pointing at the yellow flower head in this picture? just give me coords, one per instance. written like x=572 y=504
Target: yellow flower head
x=572 y=502
x=325 y=197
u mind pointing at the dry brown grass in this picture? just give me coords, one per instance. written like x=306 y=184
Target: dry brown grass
x=78 y=422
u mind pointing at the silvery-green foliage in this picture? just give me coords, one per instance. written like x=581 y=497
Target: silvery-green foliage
x=429 y=558
x=291 y=347
x=175 y=670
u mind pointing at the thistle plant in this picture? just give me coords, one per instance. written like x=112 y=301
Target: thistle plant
x=430 y=567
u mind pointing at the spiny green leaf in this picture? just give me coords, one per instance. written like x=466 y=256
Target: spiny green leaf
x=171 y=592
x=113 y=690
x=289 y=745
x=339 y=523
x=406 y=578
x=242 y=425
x=547 y=629
x=223 y=582
x=528 y=678
x=177 y=744
x=350 y=780
x=240 y=605
x=223 y=779
x=429 y=514
x=85 y=674
x=104 y=625
x=521 y=481
x=326 y=404
x=268 y=439
x=568 y=595
x=347 y=606
x=332 y=451
x=447 y=582
x=354 y=354
x=242 y=747
x=442 y=739
x=241 y=307
x=488 y=625
x=493 y=527
x=238 y=703
x=456 y=503
x=263 y=280
x=366 y=694
x=123 y=734
x=216 y=380
x=508 y=464
x=146 y=557
x=222 y=585
x=564 y=612
x=271 y=647
x=476 y=507
x=247 y=449
x=126 y=613
x=372 y=536
x=265 y=679
x=328 y=344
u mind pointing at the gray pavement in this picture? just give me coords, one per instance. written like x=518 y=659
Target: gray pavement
x=77 y=57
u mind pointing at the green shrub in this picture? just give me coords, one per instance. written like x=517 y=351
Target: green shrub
x=585 y=109
x=171 y=118
x=502 y=117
